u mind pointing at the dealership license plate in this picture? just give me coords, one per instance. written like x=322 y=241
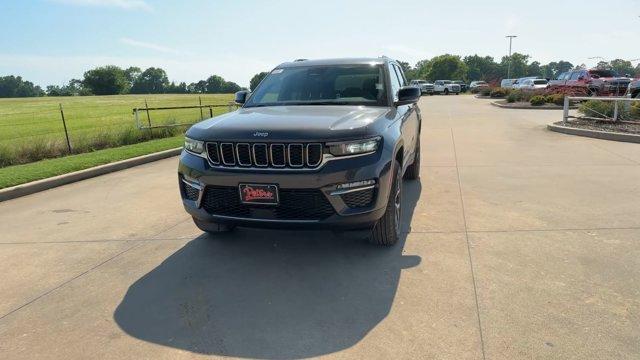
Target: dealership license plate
x=262 y=194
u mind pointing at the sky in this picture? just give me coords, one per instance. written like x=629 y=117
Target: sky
x=52 y=41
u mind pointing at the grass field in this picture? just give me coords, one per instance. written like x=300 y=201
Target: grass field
x=20 y=174
x=31 y=128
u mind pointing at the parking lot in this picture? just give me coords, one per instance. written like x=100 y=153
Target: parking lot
x=520 y=243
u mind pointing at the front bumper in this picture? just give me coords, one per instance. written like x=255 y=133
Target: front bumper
x=197 y=172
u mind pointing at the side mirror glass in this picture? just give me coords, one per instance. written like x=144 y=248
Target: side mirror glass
x=241 y=96
x=408 y=95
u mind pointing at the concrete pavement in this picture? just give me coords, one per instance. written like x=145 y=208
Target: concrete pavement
x=521 y=243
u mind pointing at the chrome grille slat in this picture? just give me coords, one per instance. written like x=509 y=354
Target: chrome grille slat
x=295 y=155
x=243 y=154
x=261 y=157
x=275 y=159
x=227 y=150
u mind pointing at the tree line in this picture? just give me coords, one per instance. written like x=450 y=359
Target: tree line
x=486 y=68
x=113 y=80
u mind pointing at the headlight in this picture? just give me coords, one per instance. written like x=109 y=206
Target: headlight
x=194 y=146
x=354 y=147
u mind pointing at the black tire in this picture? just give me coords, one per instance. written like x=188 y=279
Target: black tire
x=212 y=227
x=446 y=91
x=386 y=232
x=457 y=93
x=592 y=92
x=413 y=171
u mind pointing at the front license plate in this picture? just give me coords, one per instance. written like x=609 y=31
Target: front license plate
x=263 y=194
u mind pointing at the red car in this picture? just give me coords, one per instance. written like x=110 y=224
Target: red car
x=595 y=82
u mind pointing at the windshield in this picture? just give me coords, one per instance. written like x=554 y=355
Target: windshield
x=603 y=73
x=322 y=85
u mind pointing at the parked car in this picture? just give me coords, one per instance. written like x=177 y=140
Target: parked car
x=446 y=87
x=507 y=83
x=318 y=144
x=463 y=85
x=533 y=84
x=633 y=90
x=425 y=87
x=518 y=82
x=594 y=82
x=475 y=86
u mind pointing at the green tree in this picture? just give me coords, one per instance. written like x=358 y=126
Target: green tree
x=535 y=69
x=151 y=81
x=106 y=80
x=443 y=67
x=215 y=84
x=197 y=87
x=230 y=87
x=255 y=80
x=519 y=65
x=622 y=67
x=132 y=72
x=14 y=86
x=482 y=68
x=555 y=68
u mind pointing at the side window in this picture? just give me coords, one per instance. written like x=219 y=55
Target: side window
x=403 y=80
x=575 y=75
x=561 y=76
x=395 y=82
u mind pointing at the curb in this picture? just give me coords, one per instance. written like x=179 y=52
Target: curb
x=49 y=183
x=597 y=134
x=519 y=107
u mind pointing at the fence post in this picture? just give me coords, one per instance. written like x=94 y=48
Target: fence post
x=210 y=111
x=148 y=116
x=201 y=114
x=66 y=133
x=615 y=110
x=565 y=109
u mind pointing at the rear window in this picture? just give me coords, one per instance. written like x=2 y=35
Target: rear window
x=603 y=73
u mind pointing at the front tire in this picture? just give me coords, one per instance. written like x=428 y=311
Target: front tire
x=212 y=227
x=386 y=232
x=446 y=91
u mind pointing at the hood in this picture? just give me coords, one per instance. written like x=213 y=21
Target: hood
x=294 y=123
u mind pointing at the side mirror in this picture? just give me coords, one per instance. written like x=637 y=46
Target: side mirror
x=408 y=95
x=580 y=77
x=241 y=96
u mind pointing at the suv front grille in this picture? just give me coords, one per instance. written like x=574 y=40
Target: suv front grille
x=273 y=155
x=295 y=204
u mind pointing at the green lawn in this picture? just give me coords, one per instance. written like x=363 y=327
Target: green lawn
x=20 y=174
x=25 y=120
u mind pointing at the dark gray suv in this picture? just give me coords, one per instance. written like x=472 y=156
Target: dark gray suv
x=318 y=144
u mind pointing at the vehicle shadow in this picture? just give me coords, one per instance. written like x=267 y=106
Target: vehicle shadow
x=268 y=294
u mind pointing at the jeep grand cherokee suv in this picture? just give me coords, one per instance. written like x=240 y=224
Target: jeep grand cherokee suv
x=318 y=144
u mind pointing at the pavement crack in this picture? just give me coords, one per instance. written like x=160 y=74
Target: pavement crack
x=466 y=236
x=69 y=281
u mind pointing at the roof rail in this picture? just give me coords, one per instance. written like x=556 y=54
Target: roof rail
x=298 y=60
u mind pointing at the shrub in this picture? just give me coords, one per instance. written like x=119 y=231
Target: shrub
x=597 y=109
x=557 y=99
x=537 y=100
x=499 y=92
x=485 y=91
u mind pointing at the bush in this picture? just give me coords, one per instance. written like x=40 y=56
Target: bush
x=499 y=92
x=517 y=96
x=484 y=91
x=557 y=99
x=537 y=100
x=597 y=109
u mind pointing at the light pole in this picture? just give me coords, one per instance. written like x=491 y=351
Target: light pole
x=510 y=43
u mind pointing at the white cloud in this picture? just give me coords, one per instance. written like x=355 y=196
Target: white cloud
x=122 y=4
x=151 y=46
